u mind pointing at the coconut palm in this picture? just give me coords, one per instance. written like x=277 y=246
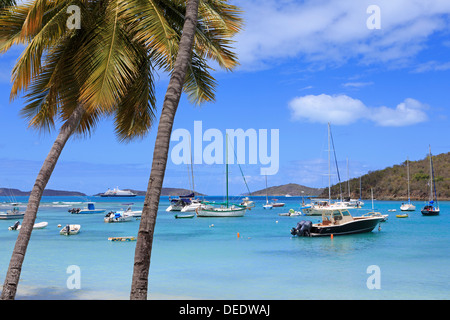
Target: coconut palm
x=77 y=76
x=190 y=49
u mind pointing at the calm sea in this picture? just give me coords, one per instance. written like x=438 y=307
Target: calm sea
x=203 y=258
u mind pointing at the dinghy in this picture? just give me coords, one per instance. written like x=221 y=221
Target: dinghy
x=17 y=226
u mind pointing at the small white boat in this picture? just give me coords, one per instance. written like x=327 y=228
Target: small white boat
x=192 y=206
x=407 y=207
x=392 y=210
x=130 y=212
x=268 y=206
x=12 y=214
x=291 y=213
x=117 y=217
x=70 y=229
x=129 y=238
x=246 y=202
x=17 y=226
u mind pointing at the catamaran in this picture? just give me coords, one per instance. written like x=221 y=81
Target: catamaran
x=432 y=208
x=408 y=206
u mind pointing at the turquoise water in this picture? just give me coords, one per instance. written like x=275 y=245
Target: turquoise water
x=202 y=258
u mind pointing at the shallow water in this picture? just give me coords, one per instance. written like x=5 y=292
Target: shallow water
x=202 y=258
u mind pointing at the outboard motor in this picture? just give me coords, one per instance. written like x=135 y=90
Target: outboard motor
x=15 y=226
x=303 y=229
x=67 y=229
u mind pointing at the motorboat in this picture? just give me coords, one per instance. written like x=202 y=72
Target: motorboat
x=317 y=207
x=268 y=206
x=192 y=206
x=39 y=225
x=116 y=193
x=129 y=238
x=377 y=214
x=276 y=204
x=176 y=204
x=116 y=216
x=291 y=213
x=14 y=213
x=432 y=207
x=336 y=222
x=247 y=203
x=130 y=212
x=87 y=210
x=70 y=229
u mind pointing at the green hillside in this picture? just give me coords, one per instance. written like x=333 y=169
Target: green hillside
x=391 y=183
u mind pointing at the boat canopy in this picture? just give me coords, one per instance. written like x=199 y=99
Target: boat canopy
x=91 y=206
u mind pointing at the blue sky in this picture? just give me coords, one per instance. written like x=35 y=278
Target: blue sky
x=303 y=64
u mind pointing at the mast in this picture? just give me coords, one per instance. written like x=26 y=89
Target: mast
x=226 y=161
x=431 y=175
x=329 y=164
x=348 y=180
x=267 y=196
x=407 y=169
x=360 y=189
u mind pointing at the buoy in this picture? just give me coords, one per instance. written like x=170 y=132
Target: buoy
x=331 y=236
x=59 y=226
x=238 y=234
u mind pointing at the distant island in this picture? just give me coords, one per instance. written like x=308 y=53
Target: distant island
x=292 y=189
x=9 y=192
x=392 y=183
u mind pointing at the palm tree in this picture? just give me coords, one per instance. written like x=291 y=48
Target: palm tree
x=185 y=58
x=103 y=69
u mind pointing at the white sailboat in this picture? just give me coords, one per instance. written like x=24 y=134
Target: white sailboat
x=318 y=207
x=267 y=205
x=224 y=209
x=408 y=206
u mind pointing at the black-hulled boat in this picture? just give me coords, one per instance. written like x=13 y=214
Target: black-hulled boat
x=432 y=208
x=336 y=222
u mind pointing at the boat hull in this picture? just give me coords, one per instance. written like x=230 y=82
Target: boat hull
x=408 y=208
x=221 y=212
x=11 y=216
x=430 y=212
x=352 y=227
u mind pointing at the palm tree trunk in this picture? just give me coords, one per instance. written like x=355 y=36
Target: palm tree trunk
x=18 y=255
x=139 y=285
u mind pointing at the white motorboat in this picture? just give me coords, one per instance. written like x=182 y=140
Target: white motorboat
x=247 y=203
x=39 y=225
x=70 y=229
x=176 y=204
x=15 y=213
x=114 y=216
x=192 y=206
x=116 y=193
x=130 y=212
x=90 y=209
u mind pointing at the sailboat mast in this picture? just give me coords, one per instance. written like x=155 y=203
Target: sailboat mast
x=348 y=180
x=407 y=169
x=226 y=161
x=431 y=175
x=329 y=163
x=267 y=195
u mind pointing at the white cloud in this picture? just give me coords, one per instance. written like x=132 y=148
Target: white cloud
x=344 y=110
x=334 y=31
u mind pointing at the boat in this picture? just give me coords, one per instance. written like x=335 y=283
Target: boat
x=392 y=210
x=70 y=229
x=375 y=214
x=276 y=204
x=267 y=205
x=194 y=204
x=319 y=206
x=408 y=206
x=14 y=213
x=247 y=203
x=184 y=216
x=224 y=209
x=129 y=238
x=291 y=213
x=336 y=222
x=129 y=210
x=39 y=225
x=90 y=209
x=432 y=208
x=176 y=204
x=116 y=193
x=116 y=216
x=402 y=215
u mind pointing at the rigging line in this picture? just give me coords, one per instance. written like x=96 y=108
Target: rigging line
x=242 y=173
